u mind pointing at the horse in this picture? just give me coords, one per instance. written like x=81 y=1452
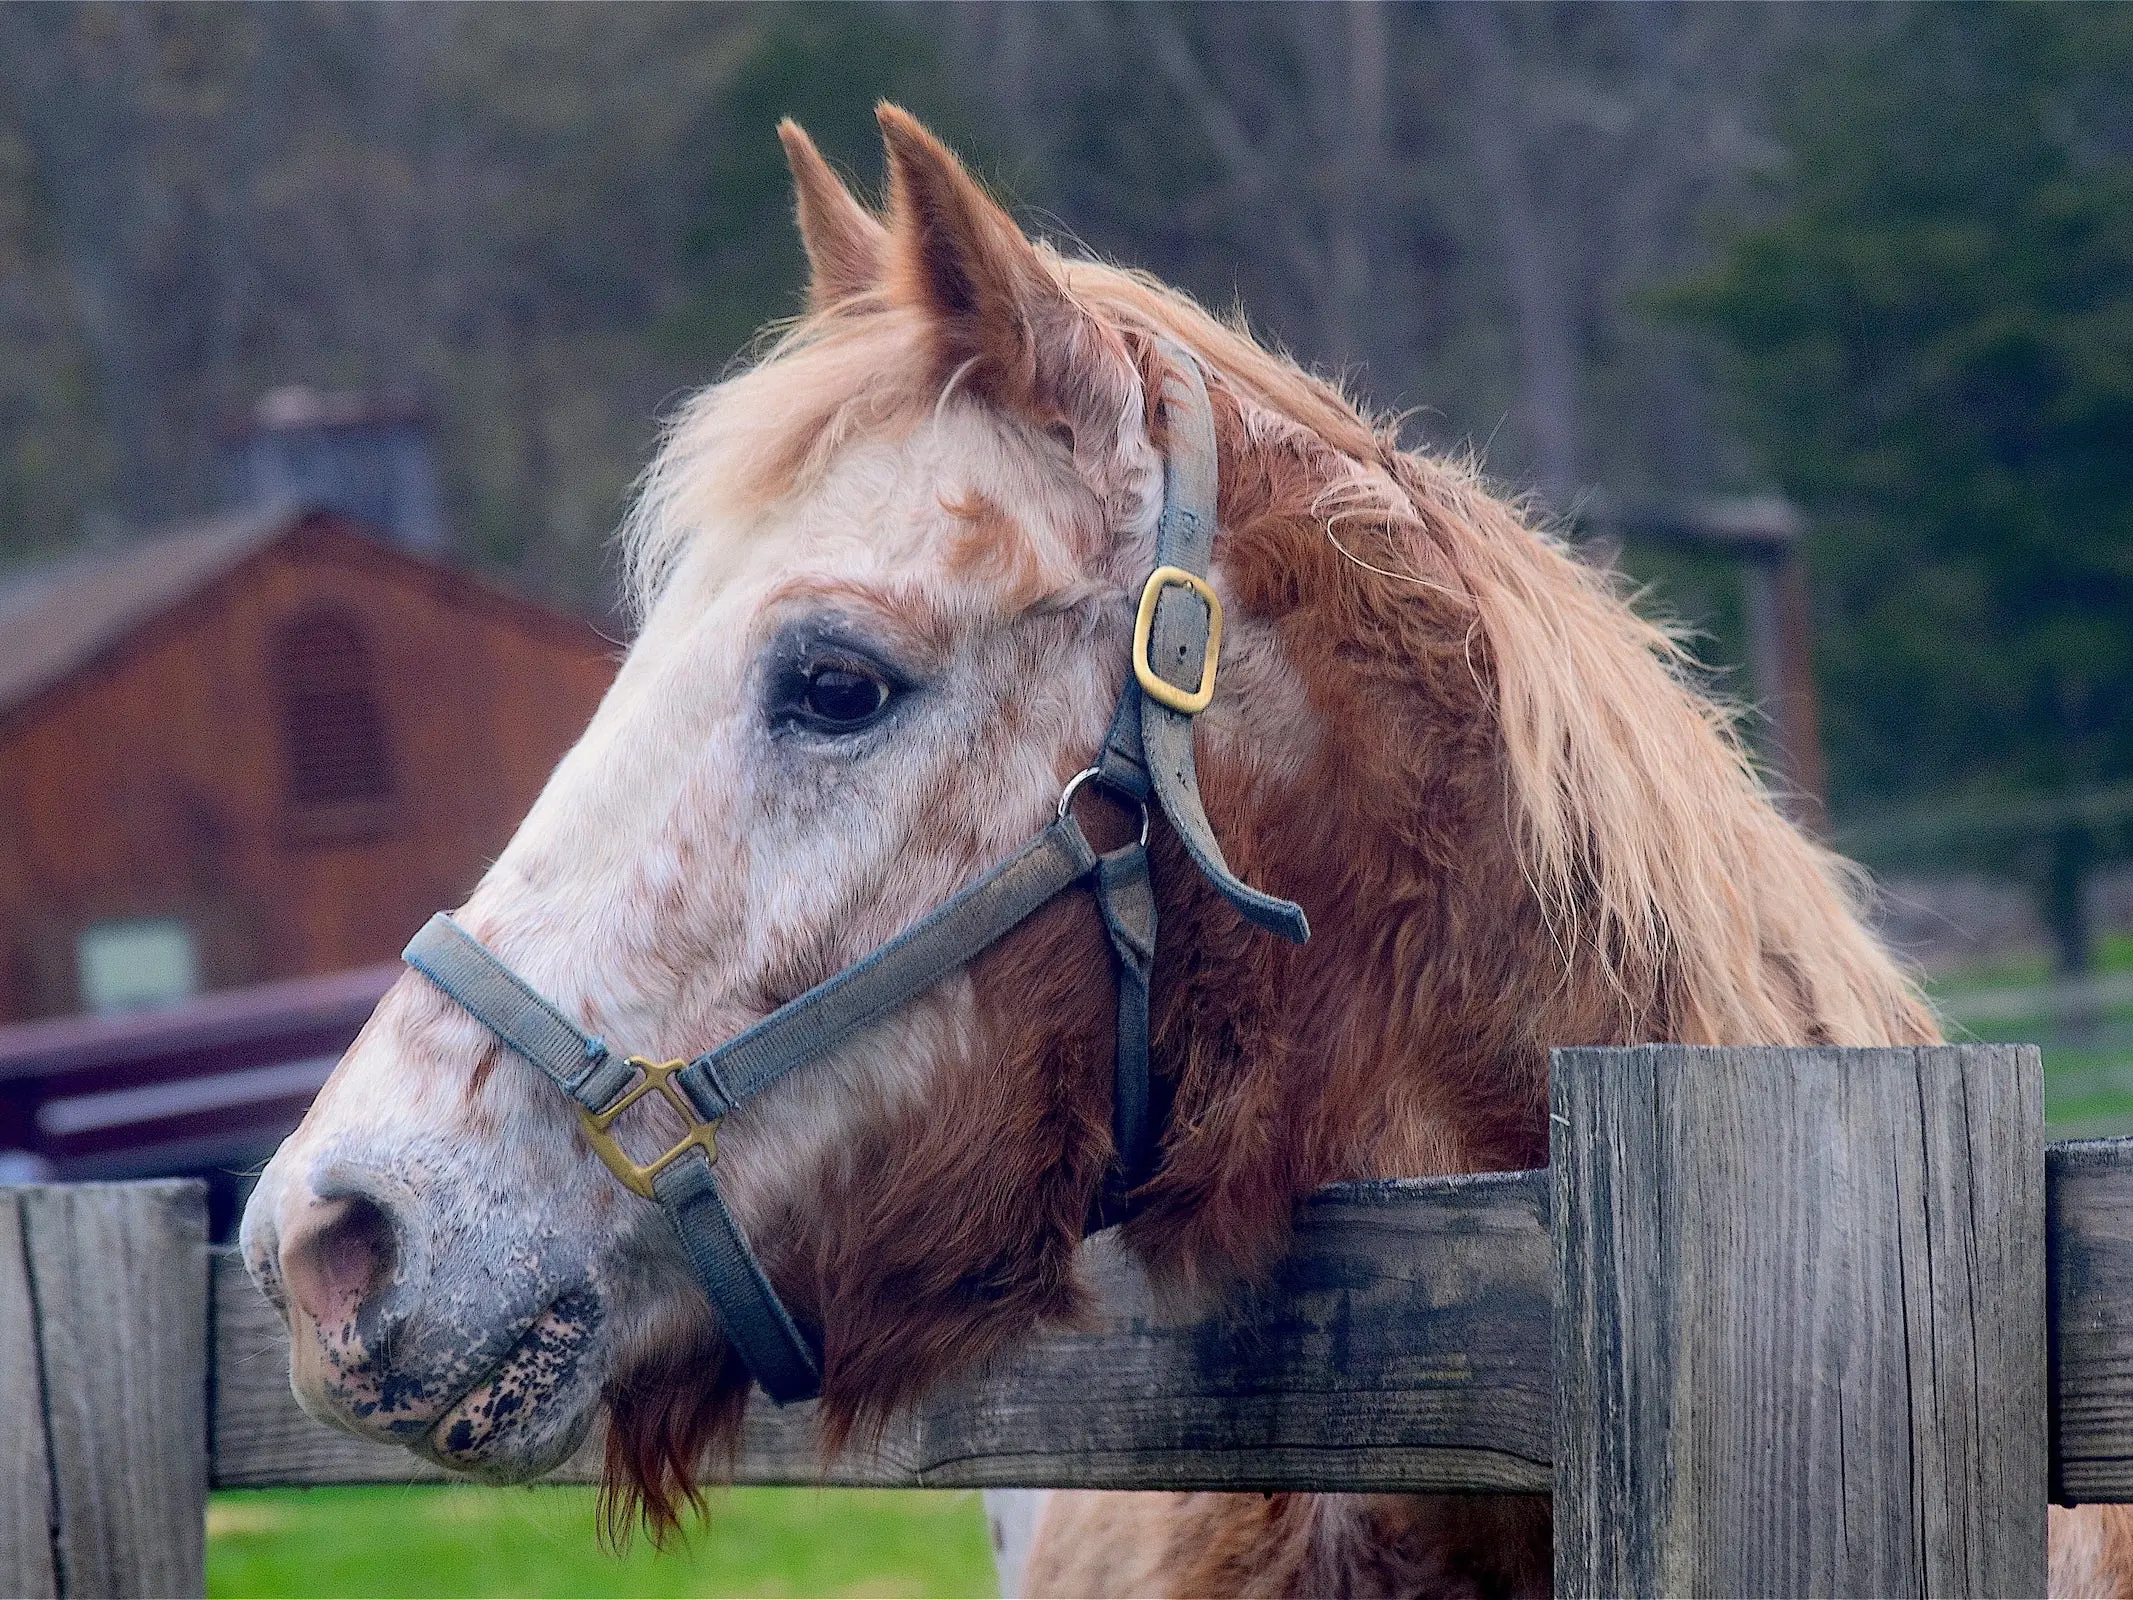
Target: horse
x=887 y=579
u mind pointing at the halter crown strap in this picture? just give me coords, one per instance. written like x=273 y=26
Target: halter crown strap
x=1149 y=746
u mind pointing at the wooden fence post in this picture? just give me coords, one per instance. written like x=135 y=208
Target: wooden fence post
x=1800 y=1321
x=103 y=1354
x=25 y=1459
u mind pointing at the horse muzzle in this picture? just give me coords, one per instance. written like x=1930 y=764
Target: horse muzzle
x=487 y=1360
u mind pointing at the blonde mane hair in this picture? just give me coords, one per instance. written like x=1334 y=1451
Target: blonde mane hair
x=1646 y=833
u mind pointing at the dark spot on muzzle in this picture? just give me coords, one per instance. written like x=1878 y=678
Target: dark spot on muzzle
x=542 y=1365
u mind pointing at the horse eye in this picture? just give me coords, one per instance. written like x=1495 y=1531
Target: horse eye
x=838 y=697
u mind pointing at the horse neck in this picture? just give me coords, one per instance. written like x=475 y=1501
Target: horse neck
x=1410 y=1036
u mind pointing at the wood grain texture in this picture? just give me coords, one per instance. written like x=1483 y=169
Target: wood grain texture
x=120 y=1277
x=1404 y=1346
x=2089 y=1216
x=26 y=1565
x=1800 y=1339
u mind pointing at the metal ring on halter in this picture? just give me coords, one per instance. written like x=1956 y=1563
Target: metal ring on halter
x=1066 y=796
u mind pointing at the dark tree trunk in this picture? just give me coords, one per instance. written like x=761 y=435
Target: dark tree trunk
x=2065 y=901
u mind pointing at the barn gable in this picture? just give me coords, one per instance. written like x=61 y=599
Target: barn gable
x=259 y=748
x=57 y=618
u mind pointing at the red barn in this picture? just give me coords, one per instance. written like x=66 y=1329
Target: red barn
x=261 y=747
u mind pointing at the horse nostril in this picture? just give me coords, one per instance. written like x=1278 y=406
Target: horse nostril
x=338 y=1255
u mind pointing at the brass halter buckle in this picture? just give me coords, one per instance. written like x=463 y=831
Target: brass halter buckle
x=1159 y=689
x=637 y=1179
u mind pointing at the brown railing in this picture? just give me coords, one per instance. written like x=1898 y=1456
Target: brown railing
x=207 y=1087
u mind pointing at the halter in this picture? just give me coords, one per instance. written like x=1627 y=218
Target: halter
x=1146 y=754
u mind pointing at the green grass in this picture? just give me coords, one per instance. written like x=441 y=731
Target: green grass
x=465 y=1540
x=2114 y=953
x=2088 y=1065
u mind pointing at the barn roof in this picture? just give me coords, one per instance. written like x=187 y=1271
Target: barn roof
x=55 y=618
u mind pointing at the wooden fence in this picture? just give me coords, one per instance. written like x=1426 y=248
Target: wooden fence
x=1773 y=1321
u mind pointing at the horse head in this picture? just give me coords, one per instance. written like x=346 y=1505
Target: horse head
x=889 y=579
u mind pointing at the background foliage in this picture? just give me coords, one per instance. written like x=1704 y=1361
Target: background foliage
x=1933 y=343
x=553 y=220
x=1905 y=234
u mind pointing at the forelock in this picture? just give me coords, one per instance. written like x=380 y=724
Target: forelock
x=767 y=433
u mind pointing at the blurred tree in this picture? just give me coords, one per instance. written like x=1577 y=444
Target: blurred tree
x=562 y=159
x=551 y=220
x=1456 y=208
x=54 y=466
x=825 y=66
x=112 y=107
x=1933 y=346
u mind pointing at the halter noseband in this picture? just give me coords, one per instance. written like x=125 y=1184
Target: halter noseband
x=1147 y=754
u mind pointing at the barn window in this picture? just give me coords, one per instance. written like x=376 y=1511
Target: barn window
x=333 y=733
x=127 y=965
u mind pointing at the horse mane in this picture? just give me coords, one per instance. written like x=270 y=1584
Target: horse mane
x=1646 y=831
x=1512 y=723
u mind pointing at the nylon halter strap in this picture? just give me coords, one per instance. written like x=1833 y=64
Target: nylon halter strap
x=1147 y=756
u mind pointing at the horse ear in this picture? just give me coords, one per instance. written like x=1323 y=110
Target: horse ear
x=1003 y=320
x=847 y=247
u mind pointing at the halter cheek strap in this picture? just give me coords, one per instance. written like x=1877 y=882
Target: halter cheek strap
x=1147 y=755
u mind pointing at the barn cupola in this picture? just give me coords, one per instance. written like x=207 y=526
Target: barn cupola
x=366 y=456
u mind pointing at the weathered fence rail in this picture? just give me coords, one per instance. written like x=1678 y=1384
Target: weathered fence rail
x=1403 y=1346
x=1774 y=1321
